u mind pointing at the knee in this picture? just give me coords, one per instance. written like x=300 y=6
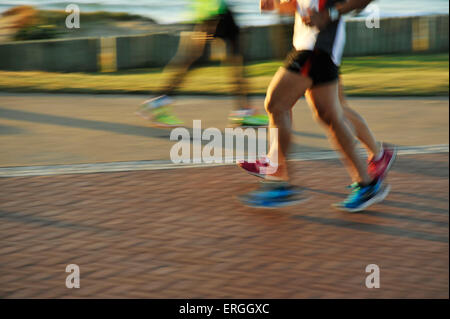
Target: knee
x=353 y=116
x=329 y=118
x=323 y=116
x=273 y=106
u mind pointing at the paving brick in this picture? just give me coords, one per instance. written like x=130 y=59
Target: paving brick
x=182 y=234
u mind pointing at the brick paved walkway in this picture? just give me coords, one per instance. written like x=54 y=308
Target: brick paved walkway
x=181 y=234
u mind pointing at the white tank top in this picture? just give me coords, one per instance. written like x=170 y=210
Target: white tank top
x=330 y=40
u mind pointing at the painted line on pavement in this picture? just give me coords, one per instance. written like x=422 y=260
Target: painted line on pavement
x=162 y=165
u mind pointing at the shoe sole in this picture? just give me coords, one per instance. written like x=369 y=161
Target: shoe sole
x=246 y=202
x=251 y=173
x=235 y=125
x=377 y=199
x=392 y=161
x=156 y=124
x=251 y=126
x=162 y=125
x=264 y=177
x=141 y=114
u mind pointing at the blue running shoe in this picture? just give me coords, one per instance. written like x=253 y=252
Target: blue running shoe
x=274 y=195
x=363 y=197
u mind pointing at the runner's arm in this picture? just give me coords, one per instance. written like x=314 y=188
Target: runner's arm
x=282 y=6
x=323 y=18
x=350 y=5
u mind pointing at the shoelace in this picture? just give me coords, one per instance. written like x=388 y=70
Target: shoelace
x=353 y=185
x=355 y=192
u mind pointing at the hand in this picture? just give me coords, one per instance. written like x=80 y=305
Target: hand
x=339 y=6
x=317 y=19
x=267 y=5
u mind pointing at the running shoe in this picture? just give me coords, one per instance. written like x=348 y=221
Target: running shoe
x=257 y=168
x=163 y=117
x=237 y=116
x=274 y=195
x=248 y=117
x=379 y=168
x=363 y=197
x=157 y=102
x=158 y=112
x=258 y=120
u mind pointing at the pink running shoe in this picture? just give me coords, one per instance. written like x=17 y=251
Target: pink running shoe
x=258 y=168
x=379 y=168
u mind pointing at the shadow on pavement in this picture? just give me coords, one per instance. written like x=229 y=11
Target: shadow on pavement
x=378 y=229
x=397 y=204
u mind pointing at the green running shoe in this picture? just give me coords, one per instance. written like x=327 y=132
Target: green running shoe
x=255 y=120
x=247 y=117
x=236 y=117
x=162 y=117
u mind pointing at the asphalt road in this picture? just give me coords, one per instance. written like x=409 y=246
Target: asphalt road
x=39 y=129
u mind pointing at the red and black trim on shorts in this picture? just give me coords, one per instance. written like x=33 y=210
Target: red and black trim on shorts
x=316 y=65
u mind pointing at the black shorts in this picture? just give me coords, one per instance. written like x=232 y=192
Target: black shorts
x=316 y=65
x=222 y=26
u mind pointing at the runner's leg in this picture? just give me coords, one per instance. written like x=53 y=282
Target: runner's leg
x=238 y=75
x=359 y=125
x=189 y=51
x=381 y=156
x=325 y=100
x=284 y=91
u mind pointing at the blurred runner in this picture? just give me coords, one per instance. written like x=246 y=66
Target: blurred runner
x=214 y=20
x=312 y=68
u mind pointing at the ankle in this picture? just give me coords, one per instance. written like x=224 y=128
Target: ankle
x=377 y=156
x=281 y=173
x=368 y=183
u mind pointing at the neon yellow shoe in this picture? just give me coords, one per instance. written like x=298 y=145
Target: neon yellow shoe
x=248 y=117
x=158 y=112
x=162 y=117
x=256 y=120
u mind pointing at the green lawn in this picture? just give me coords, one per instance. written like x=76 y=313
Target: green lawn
x=400 y=75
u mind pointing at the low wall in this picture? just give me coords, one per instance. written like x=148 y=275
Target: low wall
x=398 y=35
x=79 y=55
x=145 y=51
x=395 y=35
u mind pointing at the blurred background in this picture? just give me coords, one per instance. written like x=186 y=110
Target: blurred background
x=173 y=11
x=115 y=35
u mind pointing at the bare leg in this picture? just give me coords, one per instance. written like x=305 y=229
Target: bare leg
x=359 y=126
x=189 y=50
x=240 y=84
x=325 y=101
x=284 y=90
